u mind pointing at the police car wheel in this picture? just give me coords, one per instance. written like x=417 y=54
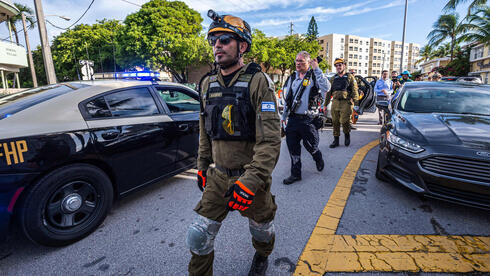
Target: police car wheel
x=379 y=174
x=66 y=205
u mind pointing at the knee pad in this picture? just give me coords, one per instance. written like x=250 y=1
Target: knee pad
x=262 y=232
x=201 y=235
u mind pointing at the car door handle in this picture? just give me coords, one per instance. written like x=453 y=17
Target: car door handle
x=184 y=127
x=110 y=135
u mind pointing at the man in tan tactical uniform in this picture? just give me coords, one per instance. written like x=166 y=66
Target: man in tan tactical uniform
x=240 y=134
x=344 y=95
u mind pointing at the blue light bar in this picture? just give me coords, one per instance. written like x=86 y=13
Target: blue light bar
x=139 y=75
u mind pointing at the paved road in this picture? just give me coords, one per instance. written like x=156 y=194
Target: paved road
x=144 y=233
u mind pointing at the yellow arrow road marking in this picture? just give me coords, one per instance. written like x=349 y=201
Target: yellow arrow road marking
x=327 y=252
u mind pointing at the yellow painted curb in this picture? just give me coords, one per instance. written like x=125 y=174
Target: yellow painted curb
x=313 y=259
x=327 y=252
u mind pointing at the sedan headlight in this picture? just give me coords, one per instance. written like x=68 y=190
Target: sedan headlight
x=402 y=143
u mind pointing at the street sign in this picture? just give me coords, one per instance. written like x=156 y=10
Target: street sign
x=87 y=62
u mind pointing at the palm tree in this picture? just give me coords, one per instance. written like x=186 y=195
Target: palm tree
x=426 y=53
x=14 y=19
x=447 y=27
x=475 y=4
x=478 y=26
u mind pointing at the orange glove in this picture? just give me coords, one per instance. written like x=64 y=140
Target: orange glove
x=201 y=180
x=240 y=197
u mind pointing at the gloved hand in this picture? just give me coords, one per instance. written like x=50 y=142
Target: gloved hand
x=201 y=180
x=240 y=197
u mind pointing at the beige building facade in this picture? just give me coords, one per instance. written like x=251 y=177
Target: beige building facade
x=480 y=62
x=368 y=56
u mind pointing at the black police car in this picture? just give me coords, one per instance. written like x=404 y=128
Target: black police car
x=68 y=150
x=437 y=141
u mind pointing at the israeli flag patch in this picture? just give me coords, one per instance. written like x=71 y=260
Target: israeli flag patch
x=268 y=107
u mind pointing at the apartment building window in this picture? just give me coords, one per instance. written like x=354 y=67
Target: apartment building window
x=375 y=43
x=375 y=51
x=360 y=42
x=367 y=43
x=356 y=41
x=350 y=55
x=355 y=56
x=355 y=49
x=351 y=40
x=342 y=47
x=350 y=63
x=341 y=40
x=321 y=41
x=350 y=48
x=365 y=64
x=367 y=50
x=478 y=53
x=365 y=72
x=355 y=63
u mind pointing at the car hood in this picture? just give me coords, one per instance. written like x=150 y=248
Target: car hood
x=446 y=129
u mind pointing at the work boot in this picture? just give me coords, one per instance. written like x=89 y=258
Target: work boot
x=347 y=139
x=320 y=165
x=335 y=142
x=259 y=265
x=291 y=179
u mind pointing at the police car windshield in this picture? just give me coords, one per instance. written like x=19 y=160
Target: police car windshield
x=13 y=103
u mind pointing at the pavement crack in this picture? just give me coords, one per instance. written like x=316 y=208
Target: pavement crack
x=359 y=260
x=384 y=261
x=309 y=267
x=438 y=227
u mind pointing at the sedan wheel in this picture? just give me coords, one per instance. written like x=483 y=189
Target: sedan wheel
x=66 y=205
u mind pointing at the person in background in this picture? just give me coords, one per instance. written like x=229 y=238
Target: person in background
x=383 y=90
x=437 y=76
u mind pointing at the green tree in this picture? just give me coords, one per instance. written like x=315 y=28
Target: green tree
x=474 y=5
x=97 y=42
x=460 y=66
x=426 y=53
x=312 y=32
x=18 y=18
x=165 y=35
x=478 y=25
x=447 y=27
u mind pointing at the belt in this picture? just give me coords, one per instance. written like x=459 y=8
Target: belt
x=299 y=116
x=230 y=172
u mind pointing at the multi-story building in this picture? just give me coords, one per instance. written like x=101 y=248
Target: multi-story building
x=480 y=62
x=368 y=56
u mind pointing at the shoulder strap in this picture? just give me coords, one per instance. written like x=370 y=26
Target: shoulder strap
x=253 y=68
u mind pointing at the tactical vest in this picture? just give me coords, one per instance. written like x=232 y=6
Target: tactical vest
x=225 y=103
x=314 y=95
x=339 y=87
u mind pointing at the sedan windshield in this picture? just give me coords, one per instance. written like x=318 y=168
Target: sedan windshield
x=462 y=100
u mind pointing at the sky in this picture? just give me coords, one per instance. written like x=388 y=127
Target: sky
x=369 y=18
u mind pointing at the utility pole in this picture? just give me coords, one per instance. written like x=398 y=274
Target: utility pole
x=291 y=28
x=403 y=37
x=46 y=50
x=29 y=53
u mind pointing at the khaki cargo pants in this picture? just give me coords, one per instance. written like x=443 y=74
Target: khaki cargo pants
x=341 y=115
x=213 y=206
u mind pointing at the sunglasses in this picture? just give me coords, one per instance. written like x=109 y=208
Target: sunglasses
x=338 y=65
x=224 y=39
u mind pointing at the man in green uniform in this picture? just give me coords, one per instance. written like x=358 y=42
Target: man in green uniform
x=344 y=95
x=240 y=134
